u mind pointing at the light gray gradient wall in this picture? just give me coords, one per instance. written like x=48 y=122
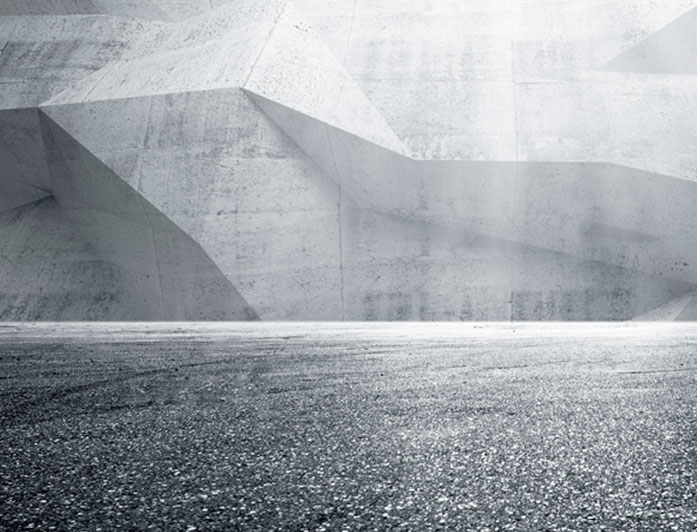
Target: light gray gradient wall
x=348 y=160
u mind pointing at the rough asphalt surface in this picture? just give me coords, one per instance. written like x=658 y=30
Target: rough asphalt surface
x=330 y=427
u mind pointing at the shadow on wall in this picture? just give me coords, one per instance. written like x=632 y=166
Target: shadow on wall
x=165 y=274
x=671 y=50
x=396 y=268
x=595 y=211
x=48 y=271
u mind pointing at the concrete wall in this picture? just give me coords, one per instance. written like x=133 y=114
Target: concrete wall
x=524 y=79
x=48 y=271
x=437 y=160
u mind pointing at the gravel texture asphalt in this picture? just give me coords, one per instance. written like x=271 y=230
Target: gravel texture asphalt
x=348 y=427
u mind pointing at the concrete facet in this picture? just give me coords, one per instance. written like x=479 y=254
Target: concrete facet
x=169 y=275
x=147 y=9
x=517 y=80
x=49 y=271
x=45 y=55
x=247 y=185
x=519 y=202
x=441 y=160
x=671 y=50
x=24 y=176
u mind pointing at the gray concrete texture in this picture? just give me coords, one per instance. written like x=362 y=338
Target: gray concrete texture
x=441 y=160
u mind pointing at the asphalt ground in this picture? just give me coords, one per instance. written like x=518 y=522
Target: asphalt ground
x=348 y=427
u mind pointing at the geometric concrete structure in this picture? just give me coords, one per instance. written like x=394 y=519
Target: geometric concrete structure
x=164 y=160
x=671 y=50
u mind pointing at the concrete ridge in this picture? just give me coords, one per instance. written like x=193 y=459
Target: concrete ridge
x=670 y=50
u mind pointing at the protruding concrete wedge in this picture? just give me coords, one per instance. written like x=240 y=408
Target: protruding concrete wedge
x=374 y=176
x=213 y=51
x=225 y=166
x=23 y=172
x=153 y=143
x=677 y=309
x=298 y=71
x=580 y=209
x=671 y=50
x=276 y=56
x=42 y=56
x=148 y=9
x=224 y=173
x=169 y=277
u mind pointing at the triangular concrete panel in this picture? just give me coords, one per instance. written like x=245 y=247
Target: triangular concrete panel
x=298 y=71
x=374 y=176
x=671 y=50
x=170 y=276
x=216 y=166
x=23 y=173
x=214 y=51
x=42 y=56
x=523 y=202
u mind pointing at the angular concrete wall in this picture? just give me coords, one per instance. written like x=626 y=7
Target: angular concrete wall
x=230 y=179
x=221 y=162
x=48 y=271
x=165 y=10
x=670 y=50
x=24 y=175
x=523 y=79
x=168 y=276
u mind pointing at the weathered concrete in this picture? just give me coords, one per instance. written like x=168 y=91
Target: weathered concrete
x=251 y=198
x=518 y=80
x=396 y=268
x=24 y=173
x=296 y=72
x=165 y=10
x=44 y=55
x=254 y=187
x=679 y=309
x=229 y=166
x=670 y=50
x=520 y=202
x=191 y=56
x=48 y=271
x=131 y=8
x=169 y=277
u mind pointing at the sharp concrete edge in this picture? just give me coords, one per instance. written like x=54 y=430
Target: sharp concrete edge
x=25 y=167
x=145 y=9
x=669 y=50
x=326 y=157
x=670 y=311
x=139 y=203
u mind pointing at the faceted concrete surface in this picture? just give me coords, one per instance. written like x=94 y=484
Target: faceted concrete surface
x=525 y=79
x=667 y=51
x=348 y=427
x=436 y=160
